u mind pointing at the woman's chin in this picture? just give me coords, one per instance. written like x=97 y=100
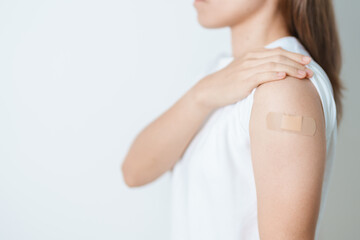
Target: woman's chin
x=210 y=23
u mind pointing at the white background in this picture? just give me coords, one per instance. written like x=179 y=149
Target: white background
x=78 y=81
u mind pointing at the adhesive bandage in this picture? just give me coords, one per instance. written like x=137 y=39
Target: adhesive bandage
x=293 y=123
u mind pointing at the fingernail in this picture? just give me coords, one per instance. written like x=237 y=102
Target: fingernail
x=306 y=59
x=309 y=72
x=301 y=72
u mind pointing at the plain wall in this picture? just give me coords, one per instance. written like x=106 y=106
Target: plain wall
x=80 y=79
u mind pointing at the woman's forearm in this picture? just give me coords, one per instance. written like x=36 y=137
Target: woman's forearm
x=161 y=144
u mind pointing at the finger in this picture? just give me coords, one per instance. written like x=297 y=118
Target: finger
x=262 y=77
x=279 y=59
x=274 y=58
x=279 y=67
x=300 y=58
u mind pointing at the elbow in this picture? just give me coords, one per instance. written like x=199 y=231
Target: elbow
x=130 y=177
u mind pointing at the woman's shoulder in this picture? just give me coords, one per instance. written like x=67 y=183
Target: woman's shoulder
x=290 y=96
x=320 y=80
x=289 y=91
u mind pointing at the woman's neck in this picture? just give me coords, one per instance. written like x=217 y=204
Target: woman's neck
x=258 y=30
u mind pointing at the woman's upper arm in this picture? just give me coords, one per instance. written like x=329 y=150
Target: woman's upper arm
x=288 y=167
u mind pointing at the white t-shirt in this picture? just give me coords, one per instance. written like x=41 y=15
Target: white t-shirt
x=213 y=187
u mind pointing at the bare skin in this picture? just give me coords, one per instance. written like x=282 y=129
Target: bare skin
x=288 y=179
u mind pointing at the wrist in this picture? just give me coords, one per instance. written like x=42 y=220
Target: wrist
x=199 y=98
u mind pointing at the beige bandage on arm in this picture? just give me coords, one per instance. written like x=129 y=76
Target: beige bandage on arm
x=292 y=123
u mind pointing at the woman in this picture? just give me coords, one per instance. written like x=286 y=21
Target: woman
x=237 y=171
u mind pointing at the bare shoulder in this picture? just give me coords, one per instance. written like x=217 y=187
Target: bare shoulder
x=291 y=93
x=290 y=96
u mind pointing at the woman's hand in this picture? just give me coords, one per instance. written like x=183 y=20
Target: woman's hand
x=236 y=81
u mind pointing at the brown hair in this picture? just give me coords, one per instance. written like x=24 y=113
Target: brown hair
x=313 y=23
